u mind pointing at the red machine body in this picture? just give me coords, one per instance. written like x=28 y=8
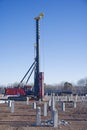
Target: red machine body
x=15 y=91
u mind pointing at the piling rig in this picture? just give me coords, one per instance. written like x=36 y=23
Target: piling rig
x=35 y=67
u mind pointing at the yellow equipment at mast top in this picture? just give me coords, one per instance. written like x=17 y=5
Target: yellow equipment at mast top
x=39 y=17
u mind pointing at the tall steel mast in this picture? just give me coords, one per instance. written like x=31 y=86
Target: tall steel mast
x=37 y=68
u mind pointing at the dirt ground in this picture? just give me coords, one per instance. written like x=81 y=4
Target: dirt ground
x=24 y=116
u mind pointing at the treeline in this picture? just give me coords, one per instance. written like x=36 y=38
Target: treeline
x=68 y=88
x=64 y=87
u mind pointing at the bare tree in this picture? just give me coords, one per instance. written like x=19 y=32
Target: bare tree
x=82 y=82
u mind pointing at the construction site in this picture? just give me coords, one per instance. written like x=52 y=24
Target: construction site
x=55 y=112
x=27 y=108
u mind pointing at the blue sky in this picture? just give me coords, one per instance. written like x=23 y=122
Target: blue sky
x=63 y=40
